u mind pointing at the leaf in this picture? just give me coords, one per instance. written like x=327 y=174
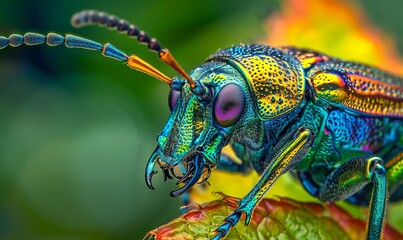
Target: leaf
x=281 y=218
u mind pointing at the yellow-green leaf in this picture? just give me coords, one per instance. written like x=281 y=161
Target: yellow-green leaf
x=281 y=218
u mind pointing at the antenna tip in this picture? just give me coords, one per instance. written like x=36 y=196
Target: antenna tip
x=166 y=56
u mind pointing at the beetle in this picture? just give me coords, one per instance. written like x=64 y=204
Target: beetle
x=337 y=125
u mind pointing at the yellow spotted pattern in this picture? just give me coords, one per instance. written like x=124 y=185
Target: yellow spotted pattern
x=278 y=86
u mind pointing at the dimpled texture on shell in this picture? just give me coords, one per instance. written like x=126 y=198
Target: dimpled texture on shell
x=368 y=90
x=276 y=78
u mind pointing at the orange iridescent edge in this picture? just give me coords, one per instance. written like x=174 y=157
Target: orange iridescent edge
x=375 y=87
x=307 y=59
x=363 y=94
x=376 y=98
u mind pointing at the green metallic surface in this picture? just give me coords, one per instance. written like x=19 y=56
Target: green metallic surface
x=377 y=204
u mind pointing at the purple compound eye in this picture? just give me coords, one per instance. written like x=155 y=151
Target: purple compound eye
x=229 y=105
x=173 y=98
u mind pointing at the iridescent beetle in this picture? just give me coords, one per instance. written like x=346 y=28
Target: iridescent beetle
x=337 y=124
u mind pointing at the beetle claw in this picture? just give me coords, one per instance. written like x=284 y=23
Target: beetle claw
x=199 y=163
x=167 y=175
x=189 y=171
x=207 y=176
x=150 y=169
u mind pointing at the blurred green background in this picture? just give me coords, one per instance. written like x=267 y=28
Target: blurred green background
x=76 y=129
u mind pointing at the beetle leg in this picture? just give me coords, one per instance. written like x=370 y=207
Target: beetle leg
x=289 y=151
x=394 y=171
x=353 y=175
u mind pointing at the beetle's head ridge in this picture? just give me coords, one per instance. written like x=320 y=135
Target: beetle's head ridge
x=190 y=145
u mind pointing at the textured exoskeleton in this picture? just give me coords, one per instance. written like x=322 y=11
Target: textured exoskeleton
x=337 y=125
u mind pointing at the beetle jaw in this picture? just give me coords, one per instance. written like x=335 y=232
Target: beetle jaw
x=193 y=167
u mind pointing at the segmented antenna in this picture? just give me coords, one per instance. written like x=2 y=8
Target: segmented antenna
x=71 y=41
x=92 y=17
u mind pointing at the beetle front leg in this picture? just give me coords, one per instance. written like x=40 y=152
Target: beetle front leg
x=288 y=152
x=353 y=175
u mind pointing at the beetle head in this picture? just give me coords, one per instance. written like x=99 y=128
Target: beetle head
x=226 y=98
x=201 y=123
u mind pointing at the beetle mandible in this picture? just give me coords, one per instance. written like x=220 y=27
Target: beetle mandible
x=337 y=125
